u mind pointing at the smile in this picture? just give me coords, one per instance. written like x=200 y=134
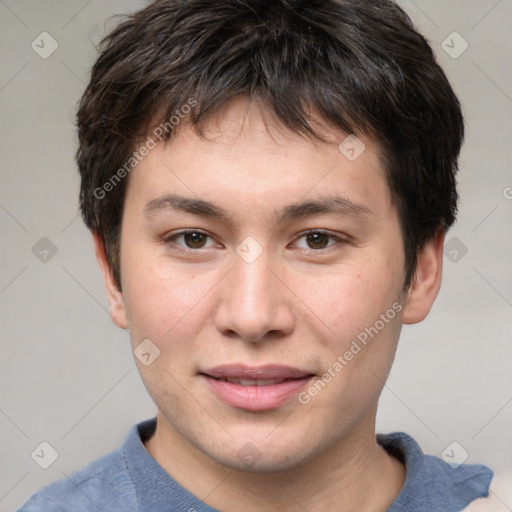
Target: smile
x=256 y=388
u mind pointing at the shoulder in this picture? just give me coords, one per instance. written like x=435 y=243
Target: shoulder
x=432 y=483
x=102 y=485
x=499 y=498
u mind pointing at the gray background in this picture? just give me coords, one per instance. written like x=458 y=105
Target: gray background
x=66 y=372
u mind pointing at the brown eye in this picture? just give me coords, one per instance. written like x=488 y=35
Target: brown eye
x=194 y=239
x=191 y=239
x=317 y=240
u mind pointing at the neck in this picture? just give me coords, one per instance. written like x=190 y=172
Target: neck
x=354 y=474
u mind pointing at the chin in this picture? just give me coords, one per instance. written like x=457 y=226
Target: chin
x=250 y=459
x=260 y=453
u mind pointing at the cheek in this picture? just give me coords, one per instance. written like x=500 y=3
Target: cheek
x=165 y=303
x=352 y=299
x=363 y=314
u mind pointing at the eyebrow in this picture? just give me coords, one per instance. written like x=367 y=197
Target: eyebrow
x=326 y=205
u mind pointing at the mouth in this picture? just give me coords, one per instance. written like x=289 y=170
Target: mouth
x=251 y=382
x=256 y=389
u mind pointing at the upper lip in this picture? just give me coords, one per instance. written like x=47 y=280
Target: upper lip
x=269 y=371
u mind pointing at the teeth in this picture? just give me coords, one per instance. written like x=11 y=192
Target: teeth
x=250 y=382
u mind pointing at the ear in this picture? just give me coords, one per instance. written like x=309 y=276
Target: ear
x=426 y=281
x=114 y=295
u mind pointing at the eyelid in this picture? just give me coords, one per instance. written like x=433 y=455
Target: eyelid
x=330 y=234
x=170 y=237
x=318 y=230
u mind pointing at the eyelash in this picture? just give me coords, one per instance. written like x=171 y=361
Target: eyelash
x=171 y=239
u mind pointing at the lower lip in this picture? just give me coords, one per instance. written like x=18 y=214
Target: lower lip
x=257 y=398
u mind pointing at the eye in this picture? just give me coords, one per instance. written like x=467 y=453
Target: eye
x=191 y=239
x=316 y=240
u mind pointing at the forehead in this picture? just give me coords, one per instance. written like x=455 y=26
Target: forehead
x=245 y=153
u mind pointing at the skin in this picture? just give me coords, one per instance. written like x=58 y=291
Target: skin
x=293 y=305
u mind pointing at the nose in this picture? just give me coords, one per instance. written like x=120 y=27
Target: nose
x=254 y=304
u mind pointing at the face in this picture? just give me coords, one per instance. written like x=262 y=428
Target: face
x=266 y=270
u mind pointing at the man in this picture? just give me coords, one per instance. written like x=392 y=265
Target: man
x=268 y=184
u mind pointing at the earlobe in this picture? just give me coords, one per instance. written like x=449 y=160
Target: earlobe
x=426 y=282
x=114 y=295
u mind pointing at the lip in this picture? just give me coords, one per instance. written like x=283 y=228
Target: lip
x=255 y=398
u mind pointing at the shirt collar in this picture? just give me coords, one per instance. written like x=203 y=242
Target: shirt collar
x=431 y=484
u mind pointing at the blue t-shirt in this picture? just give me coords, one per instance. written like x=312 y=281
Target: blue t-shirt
x=130 y=480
